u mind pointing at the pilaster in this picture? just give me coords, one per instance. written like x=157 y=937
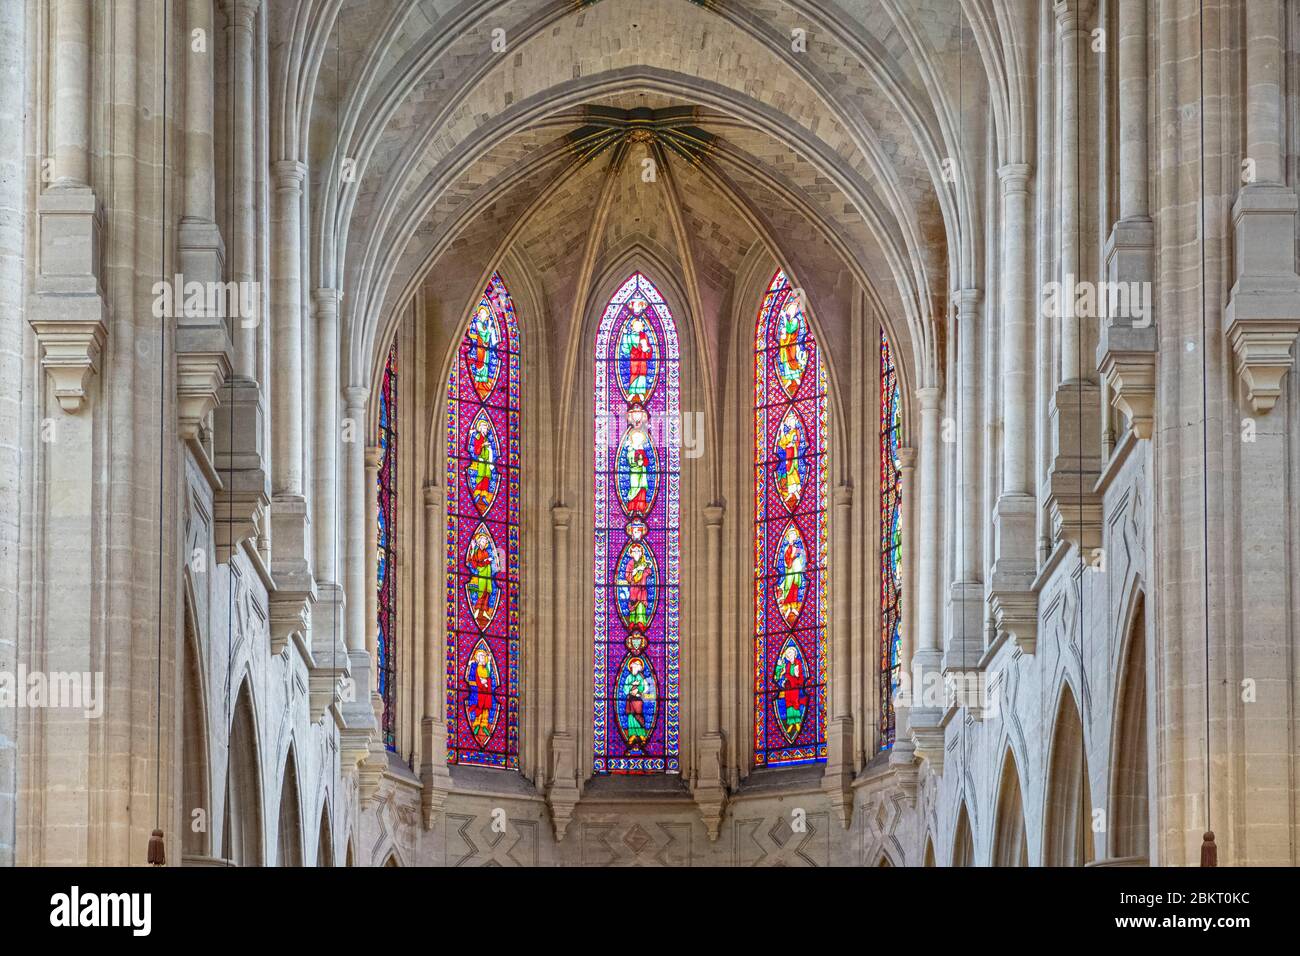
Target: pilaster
x=710 y=787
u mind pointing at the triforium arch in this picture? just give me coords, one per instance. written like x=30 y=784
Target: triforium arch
x=1010 y=836
x=1128 y=839
x=1068 y=812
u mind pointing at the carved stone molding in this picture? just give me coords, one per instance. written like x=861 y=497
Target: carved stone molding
x=1263 y=312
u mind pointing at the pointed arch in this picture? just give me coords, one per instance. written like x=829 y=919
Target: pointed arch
x=636 y=671
x=325 y=839
x=195 y=776
x=1010 y=848
x=289 y=830
x=1130 y=809
x=241 y=841
x=482 y=540
x=928 y=857
x=1067 y=834
x=791 y=535
x=963 y=840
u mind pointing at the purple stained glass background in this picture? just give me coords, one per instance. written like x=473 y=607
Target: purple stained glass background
x=484 y=384
x=613 y=751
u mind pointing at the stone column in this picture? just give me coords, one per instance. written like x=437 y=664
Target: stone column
x=1012 y=602
x=286 y=331
x=838 y=779
x=358 y=713
x=1075 y=449
x=67 y=312
x=291 y=546
x=240 y=17
x=72 y=63
x=965 y=644
x=14 y=223
x=562 y=796
x=903 y=750
x=1126 y=352
x=434 y=775
x=1262 y=319
x=710 y=785
x=329 y=653
x=241 y=421
x=203 y=348
x=927 y=688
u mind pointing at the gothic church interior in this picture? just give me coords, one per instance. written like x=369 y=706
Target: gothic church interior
x=649 y=432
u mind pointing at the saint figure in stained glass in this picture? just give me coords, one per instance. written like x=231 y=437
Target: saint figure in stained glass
x=482 y=537
x=635 y=661
x=791 y=540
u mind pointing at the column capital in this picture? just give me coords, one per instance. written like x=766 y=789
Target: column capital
x=713 y=514
x=1014 y=177
x=560 y=515
x=842 y=496
x=356 y=396
x=1070 y=15
x=967 y=300
x=374 y=455
x=906 y=458
x=240 y=14
x=433 y=496
x=289 y=174
x=327 y=300
x=928 y=398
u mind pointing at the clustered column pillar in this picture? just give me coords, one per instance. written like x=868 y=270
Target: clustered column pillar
x=358 y=712
x=966 y=600
x=710 y=786
x=434 y=776
x=838 y=779
x=927 y=688
x=1262 y=323
x=1012 y=602
x=242 y=84
x=1075 y=450
x=562 y=796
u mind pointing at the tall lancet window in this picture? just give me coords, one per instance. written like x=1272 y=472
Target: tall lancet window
x=386 y=489
x=790 y=534
x=483 y=538
x=635 y=663
x=891 y=539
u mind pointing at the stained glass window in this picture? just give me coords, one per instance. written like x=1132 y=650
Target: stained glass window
x=891 y=539
x=635 y=663
x=790 y=534
x=482 y=546
x=386 y=645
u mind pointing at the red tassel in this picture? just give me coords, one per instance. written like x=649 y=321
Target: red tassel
x=157 y=852
x=1209 y=852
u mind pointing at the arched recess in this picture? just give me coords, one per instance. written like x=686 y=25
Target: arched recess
x=348 y=859
x=929 y=853
x=1067 y=834
x=195 y=791
x=963 y=841
x=1129 y=800
x=325 y=840
x=289 y=831
x=242 y=827
x=1010 y=848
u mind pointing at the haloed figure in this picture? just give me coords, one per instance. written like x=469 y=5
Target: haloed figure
x=790 y=679
x=637 y=690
